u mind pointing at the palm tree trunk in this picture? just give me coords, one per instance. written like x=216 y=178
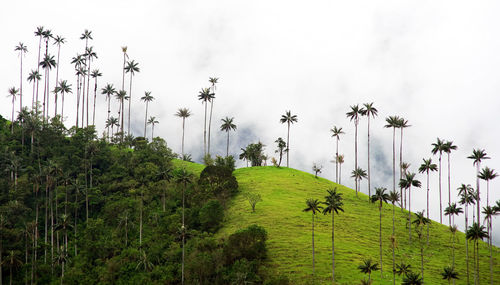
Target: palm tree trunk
x=183 y=123
x=337 y=162
x=477 y=261
x=21 y=85
x=82 y=92
x=478 y=202
x=227 y=145
x=369 y=189
x=95 y=97
x=409 y=212
x=313 y=244
x=129 y=104
x=88 y=88
x=152 y=132
x=356 y=151
x=288 y=146
x=393 y=243
x=333 y=247
x=210 y=123
x=380 y=237
x=440 y=203
x=123 y=113
x=77 y=98
x=109 y=112
x=400 y=167
x=183 y=229
x=340 y=173
x=466 y=243
x=12 y=120
x=57 y=79
x=145 y=119
x=491 y=257
x=205 y=132
x=428 y=206
x=449 y=189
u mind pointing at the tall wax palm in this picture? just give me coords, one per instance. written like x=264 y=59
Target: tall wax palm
x=289 y=119
x=358 y=174
x=39 y=33
x=213 y=81
x=451 y=211
x=58 y=40
x=112 y=122
x=407 y=182
x=90 y=54
x=477 y=156
x=476 y=233
x=13 y=92
x=488 y=174
x=448 y=147
x=22 y=49
x=353 y=115
x=421 y=221
x=368 y=110
x=404 y=169
x=34 y=77
x=47 y=35
x=183 y=113
x=81 y=72
x=467 y=197
x=95 y=73
x=333 y=204
x=63 y=88
x=368 y=267
x=47 y=63
x=401 y=124
x=108 y=90
x=392 y=122
x=313 y=206
x=380 y=197
x=427 y=166
x=183 y=177
x=205 y=95
x=152 y=121
x=340 y=160
x=449 y=274
x=438 y=147
x=227 y=125
x=125 y=57
x=86 y=35
x=78 y=61
x=121 y=96
x=336 y=132
x=489 y=212
x=146 y=98
x=132 y=67
x=393 y=198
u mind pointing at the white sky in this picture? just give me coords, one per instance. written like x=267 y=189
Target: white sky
x=436 y=63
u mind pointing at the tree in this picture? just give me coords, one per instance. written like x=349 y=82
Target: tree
x=368 y=110
x=449 y=273
x=95 y=73
x=108 y=90
x=112 y=122
x=288 y=118
x=340 y=160
x=13 y=93
x=447 y=148
x=407 y=182
x=13 y=261
x=451 y=211
x=438 y=147
x=427 y=166
x=253 y=153
x=393 y=198
x=333 y=204
x=63 y=88
x=121 y=96
x=22 y=49
x=34 y=77
x=205 y=95
x=183 y=177
x=392 y=122
x=58 y=40
x=90 y=54
x=412 y=279
x=381 y=197
x=467 y=197
x=477 y=156
x=336 y=132
x=402 y=124
x=253 y=199
x=39 y=33
x=132 y=67
x=489 y=212
x=146 y=98
x=488 y=174
x=367 y=267
x=476 y=233
x=281 y=148
x=183 y=113
x=420 y=221
x=47 y=63
x=353 y=115
x=358 y=174
x=227 y=125
x=152 y=121
x=316 y=169
x=213 y=81
x=313 y=206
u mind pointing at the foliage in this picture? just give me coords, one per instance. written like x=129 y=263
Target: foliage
x=253 y=199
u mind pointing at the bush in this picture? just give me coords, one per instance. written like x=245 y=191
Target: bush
x=249 y=243
x=211 y=216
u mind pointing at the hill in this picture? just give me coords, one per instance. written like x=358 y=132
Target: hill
x=284 y=192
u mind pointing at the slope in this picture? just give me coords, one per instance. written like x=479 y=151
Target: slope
x=284 y=192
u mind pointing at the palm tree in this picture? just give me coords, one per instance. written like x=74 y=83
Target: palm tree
x=467 y=197
x=368 y=110
x=333 y=204
x=427 y=166
x=38 y=33
x=289 y=119
x=205 y=95
x=451 y=211
x=12 y=93
x=488 y=174
x=476 y=233
x=13 y=261
x=489 y=212
x=358 y=174
x=381 y=197
x=34 y=77
x=313 y=206
x=125 y=57
x=447 y=148
x=90 y=54
x=152 y=121
x=63 y=88
x=22 y=49
x=227 y=125
x=336 y=132
x=392 y=122
x=403 y=268
x=95 y=73
x=367 y=267
x=212 y=80
x=183 y=113
x=404 y=169
x=420 y=221
x=393 y=198
x=407 y=182
x=112 y=121
x=183 y=177
x=353 y=115
x=58 y=40
x=449 y=274
x=340 y=160
x=412 y=279
x=132 y=67
x=47 y=63
x=146 y=98
x=108 y=90
x=121 y=96
x=477 y=156
x=439 y=146
x=402 y=124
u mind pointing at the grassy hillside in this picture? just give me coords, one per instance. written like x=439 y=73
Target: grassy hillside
x=284 y=192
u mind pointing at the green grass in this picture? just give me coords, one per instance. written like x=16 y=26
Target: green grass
x=192 y=167
x=284 y=192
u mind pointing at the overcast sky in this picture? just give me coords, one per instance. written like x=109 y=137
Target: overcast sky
x=436 y=63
